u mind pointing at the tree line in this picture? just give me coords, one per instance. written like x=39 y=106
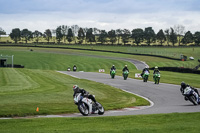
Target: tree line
x=67 y=34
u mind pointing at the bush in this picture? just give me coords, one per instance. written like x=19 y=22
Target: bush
x=178 y=69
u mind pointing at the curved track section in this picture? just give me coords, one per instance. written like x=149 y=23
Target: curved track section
x=166 y=97
x=140 y=65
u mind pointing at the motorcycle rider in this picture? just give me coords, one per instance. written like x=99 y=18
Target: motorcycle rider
x=125 y=68
x=184 y=85
x=84 y=93
x=145 y=69
x=112 y=68
x=74 y=68
x=156 y=70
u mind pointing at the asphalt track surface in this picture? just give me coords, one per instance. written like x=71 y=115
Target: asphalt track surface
x=164 y=98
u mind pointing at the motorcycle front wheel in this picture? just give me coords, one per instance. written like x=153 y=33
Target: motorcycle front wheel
x=193 y=99
x=83 y=108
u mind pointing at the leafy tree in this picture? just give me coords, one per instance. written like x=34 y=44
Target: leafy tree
x=167 y=34
x=96 y=31
x=59 y=34
x=26 y=35
x=15 y=35
x=75 y=29
x=197 y=37
x=64 y=30
x=173 y=36
x=138 y=35
x=103 y=36
x=48 y=35
x=149 y=35
x=2 y=32
x=70 y=35
x=85 y=32
x=90 y=37
x=125 y=36
x=118 y=33
x=112 y=36
x=161 y=36
x=81 y=35
x=188 y=38
x=179 y=30
x=37 y=35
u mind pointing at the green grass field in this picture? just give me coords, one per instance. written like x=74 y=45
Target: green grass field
x=174 y=52
x=50 y=59
x=39 y=85
x=159 y=123
x=60 y=59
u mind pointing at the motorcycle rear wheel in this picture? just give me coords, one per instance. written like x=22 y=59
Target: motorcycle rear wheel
x=100 y=109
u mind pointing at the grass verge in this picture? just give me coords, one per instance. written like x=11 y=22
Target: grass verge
x=159 y=123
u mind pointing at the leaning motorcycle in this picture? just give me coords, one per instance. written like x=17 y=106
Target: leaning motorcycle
x=86 y=106
x=191 y=95
x=145 y=76
x=157 y=78
x=112 y=74
x=125 y=74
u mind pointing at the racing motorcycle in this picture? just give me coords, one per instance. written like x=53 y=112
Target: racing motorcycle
x=157 y=78
x=145 y=76
x=74 y=69
x=86 y=106
x=191 y=95
x=125 y=74
x=112 y=74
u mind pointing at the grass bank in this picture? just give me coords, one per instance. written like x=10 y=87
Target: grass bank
x=159 y=123
x=23 y=90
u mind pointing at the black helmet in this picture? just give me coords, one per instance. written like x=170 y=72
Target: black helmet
x=183 y=85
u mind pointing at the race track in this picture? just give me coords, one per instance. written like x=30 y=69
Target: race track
x=165 y=98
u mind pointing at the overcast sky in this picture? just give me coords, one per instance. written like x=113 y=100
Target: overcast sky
x=102 y=14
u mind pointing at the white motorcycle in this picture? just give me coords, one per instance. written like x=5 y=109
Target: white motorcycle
x=191 y=95
x=86 y=106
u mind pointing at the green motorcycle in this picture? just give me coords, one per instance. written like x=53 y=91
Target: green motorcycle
x=112 y=74
x=157 y=78
x=145 y=76
x=125 y=74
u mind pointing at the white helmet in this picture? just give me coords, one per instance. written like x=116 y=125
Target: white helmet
x=75 y=87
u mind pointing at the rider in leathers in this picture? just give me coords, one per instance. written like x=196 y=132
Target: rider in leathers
x=112 y=68
x=125 y=69
x=184 y=85
x=83 y=93
x=145 y=69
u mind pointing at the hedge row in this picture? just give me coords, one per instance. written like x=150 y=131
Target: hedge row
x=178 y=69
